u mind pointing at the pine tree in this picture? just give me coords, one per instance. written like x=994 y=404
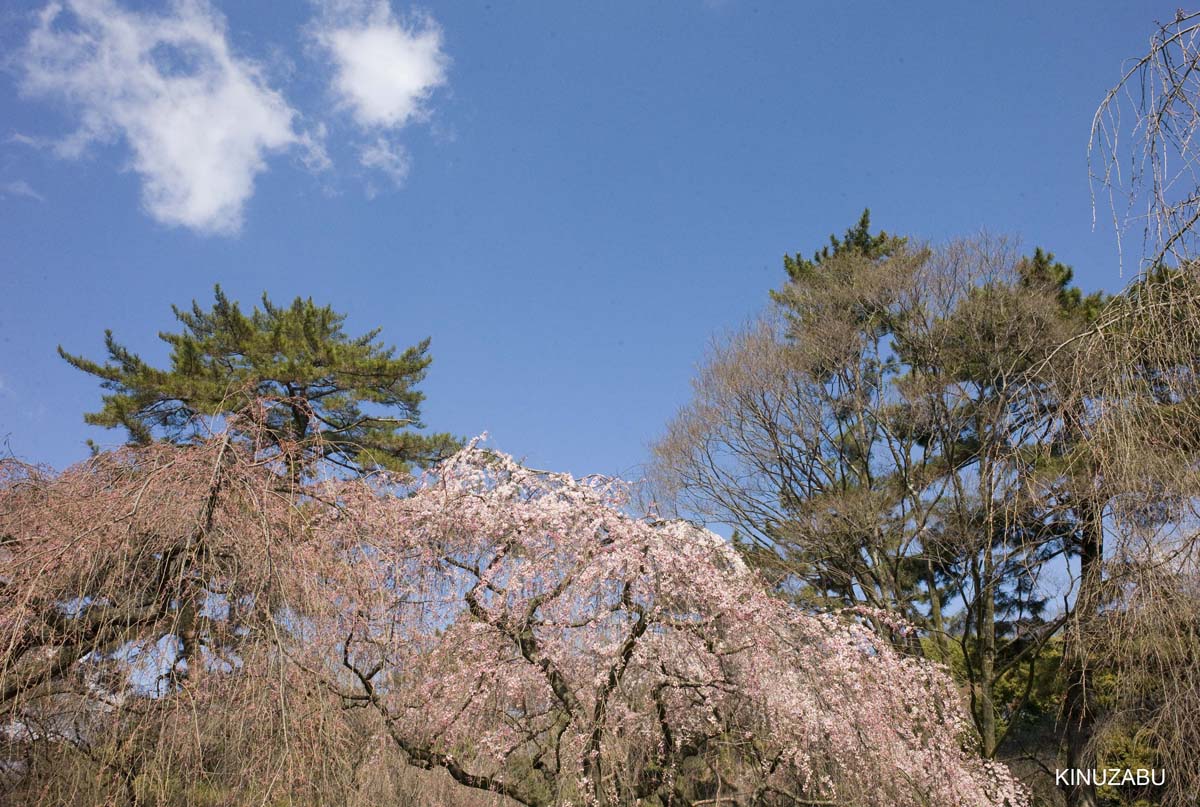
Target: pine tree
x=857 y=240
x=323 y=394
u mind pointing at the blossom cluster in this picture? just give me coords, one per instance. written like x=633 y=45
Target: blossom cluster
x=520 y=630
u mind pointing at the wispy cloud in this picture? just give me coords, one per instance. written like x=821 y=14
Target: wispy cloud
x=390 y=159
x=28 y=140
x=20 y=188
x=198 y=120
x=384 y=71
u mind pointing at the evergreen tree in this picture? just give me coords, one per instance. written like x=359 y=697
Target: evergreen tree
x=349 y=400
x=857 y=240
x=893 y=436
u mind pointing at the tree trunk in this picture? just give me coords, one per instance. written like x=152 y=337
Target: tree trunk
x=987 y=657
x=935 y=614
x=1079 y=710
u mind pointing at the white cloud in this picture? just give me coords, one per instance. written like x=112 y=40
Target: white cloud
x=19 y=187
x=198 y=120
x=384 y=69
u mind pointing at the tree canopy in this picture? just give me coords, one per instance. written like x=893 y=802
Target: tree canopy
x=900 y=430
x=349 y=400
x=176 y=633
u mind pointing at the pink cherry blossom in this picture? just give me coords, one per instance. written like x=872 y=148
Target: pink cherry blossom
x=520 y=631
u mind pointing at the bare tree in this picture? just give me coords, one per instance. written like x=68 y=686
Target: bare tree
x=1144 y=436
x=1142 y=153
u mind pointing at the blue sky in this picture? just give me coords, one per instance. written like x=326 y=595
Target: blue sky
x=570 y=198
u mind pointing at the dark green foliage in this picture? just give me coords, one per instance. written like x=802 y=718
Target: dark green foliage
x=348 y=400
x=1040 y=272
x=857 y=240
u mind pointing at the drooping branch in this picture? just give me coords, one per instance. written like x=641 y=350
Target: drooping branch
x=519 y=631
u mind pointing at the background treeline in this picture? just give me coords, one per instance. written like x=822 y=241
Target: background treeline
x=950 y=435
